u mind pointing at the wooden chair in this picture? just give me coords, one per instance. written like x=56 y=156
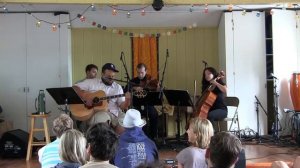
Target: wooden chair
x=33 y=130
x=232 y=102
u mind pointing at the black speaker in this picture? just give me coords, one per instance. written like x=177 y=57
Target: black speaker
x=13 y=144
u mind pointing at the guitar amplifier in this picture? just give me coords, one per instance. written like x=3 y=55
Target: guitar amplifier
x=13 y=144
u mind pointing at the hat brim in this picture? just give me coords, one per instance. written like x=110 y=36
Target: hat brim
x=131 y=126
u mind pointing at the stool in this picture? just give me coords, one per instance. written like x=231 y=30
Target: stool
x=33 y=129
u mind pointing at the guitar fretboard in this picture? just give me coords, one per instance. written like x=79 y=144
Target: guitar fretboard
x=111 y=97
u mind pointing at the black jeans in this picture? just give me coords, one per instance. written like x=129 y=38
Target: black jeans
x=217 y=114
x=151 y=114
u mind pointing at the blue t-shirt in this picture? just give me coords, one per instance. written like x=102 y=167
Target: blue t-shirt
x=50 y=155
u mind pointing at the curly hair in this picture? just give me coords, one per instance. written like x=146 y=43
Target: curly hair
x=61 y=124
x=103 y=141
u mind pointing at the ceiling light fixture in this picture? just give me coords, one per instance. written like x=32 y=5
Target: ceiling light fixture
x=157 y=5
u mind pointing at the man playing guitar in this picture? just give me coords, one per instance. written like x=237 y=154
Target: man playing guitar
x=114 y=108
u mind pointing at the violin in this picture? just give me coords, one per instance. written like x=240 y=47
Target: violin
x=140 y=90
x=148 y=84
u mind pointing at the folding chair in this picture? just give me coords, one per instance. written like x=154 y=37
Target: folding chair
x=231 y=102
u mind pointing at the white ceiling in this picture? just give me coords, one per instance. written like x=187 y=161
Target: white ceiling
x=169 y=16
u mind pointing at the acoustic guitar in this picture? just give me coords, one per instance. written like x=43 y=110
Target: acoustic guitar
x=82 y=112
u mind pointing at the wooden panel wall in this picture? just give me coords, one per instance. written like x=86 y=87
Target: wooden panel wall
x=187 y=49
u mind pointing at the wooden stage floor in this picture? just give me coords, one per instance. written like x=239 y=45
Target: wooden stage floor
x=255 y=153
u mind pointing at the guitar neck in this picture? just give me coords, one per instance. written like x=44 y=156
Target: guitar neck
x=111 y=97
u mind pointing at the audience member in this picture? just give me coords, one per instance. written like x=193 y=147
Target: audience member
x=199 y=133
x=49 y=154
x=102 y=143
x=135 y=148
x=72 y=149
x=282 y=164
x=224 y=150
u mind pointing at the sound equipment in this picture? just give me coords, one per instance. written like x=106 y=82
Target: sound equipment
x=13 y=144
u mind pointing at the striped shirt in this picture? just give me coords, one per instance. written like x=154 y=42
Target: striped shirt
x=49 y=154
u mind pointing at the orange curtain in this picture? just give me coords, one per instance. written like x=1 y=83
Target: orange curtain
x=145 y=51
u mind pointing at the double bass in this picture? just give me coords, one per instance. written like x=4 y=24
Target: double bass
x=207 y=100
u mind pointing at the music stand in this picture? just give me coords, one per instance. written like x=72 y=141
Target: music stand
x=64 y=96
x=151 y=99
x=178 y=98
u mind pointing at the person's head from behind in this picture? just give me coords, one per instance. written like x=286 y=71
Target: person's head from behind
x=102 y=142
x=141 y=70
x=223 y=151
x=61 y=124
x=199 y=133
x=73 y=147
x=91 y=71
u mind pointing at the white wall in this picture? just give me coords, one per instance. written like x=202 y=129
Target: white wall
x=298 y=41
x=33 y=58
x=245 y=64
x=222 y=44
x=285 y=57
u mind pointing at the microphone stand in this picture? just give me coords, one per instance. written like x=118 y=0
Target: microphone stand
x=276 y=122
x=205 y=64
x=127 y=76
x=163 y=76
x=160 y=97
x=257 y=117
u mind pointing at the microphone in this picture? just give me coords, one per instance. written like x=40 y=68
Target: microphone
x=122 y=53
x=204 y=62
x=272 y=75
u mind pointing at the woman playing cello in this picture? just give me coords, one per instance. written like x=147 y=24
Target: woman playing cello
x=214 y=82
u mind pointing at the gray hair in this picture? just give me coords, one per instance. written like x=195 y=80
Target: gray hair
x=62 y=124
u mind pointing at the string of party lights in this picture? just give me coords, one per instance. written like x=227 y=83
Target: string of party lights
x=56 y=25
x=135 y=34
x=3 y=7
x=115 y=9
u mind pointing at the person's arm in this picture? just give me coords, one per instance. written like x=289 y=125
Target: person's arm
x=78 y=91
x=223 y=88
x=40 y=154
x=125 y=104
x=81 y=93
x=179 y=165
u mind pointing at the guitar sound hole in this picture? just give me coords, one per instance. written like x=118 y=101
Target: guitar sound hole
x=96 y=100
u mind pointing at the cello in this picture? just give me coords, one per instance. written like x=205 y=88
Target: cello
x=207 y=100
